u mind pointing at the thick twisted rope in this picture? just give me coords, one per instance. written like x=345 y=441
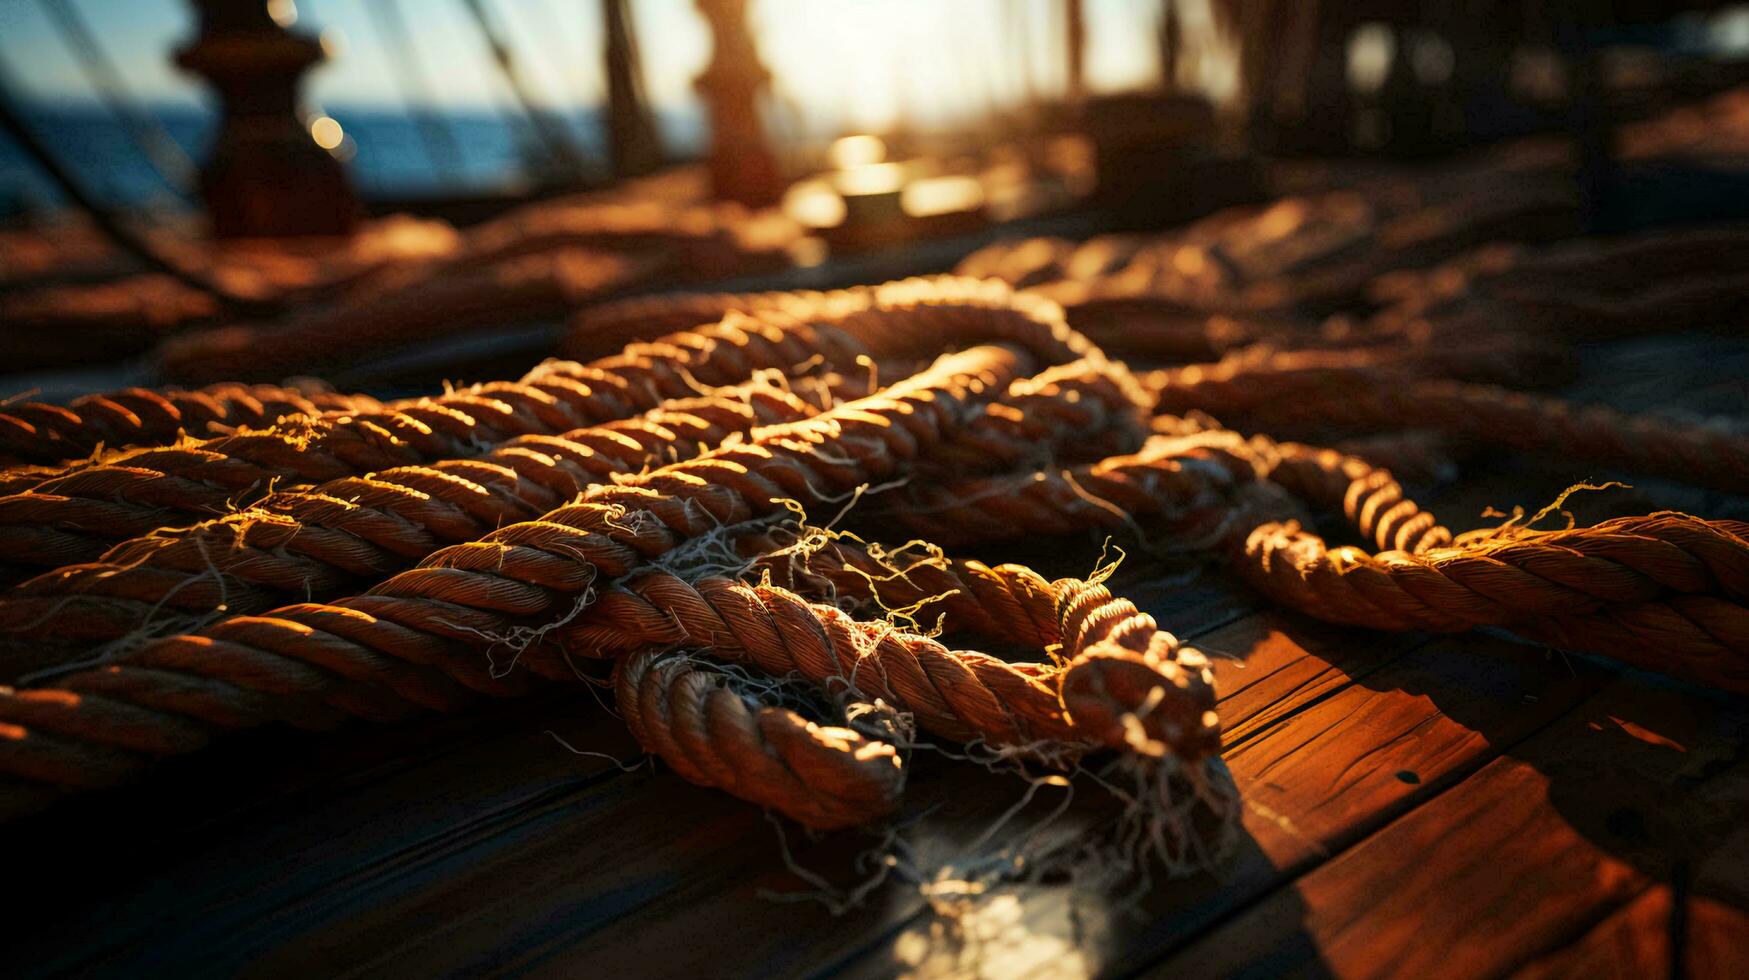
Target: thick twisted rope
x=69 y=519
x=410 y=642
x=1607 y=589
x=562 y=395
x=1009 y=599
x=66 y=520
x=1009 y=602
x=614 y=529
x=1369 y=496
x=1299 y=252
x=41 y=433
x=1084 y=409
x=1701 y=639
x=1415 y=454
x=1626 y=265
x=1176 y=479
x=1595 y=289
x=714 y=735
x=1522 y=576
x=626 y=571
x=313 y=542
x=1123 y=683
x=1360 y=398
x=922 y=316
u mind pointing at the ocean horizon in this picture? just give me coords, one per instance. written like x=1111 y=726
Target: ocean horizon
x=386 y=153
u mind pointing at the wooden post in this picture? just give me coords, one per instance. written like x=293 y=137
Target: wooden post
x=632 y=140
x=741 y=165
x=1075 y=36
x=266 y=176
x=1171 y=41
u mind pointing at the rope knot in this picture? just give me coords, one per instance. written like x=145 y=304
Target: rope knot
x=1144 y=702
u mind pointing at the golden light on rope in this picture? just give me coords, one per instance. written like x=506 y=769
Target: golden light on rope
x=648 y=510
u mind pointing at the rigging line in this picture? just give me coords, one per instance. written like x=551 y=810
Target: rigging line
x=551 y=55
x=12 y=124
x=441 y=146
x=540 y=22
x=148 y=134
x=558 y=146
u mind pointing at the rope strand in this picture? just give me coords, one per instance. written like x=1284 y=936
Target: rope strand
x=410 y=642
x=40 y=433
x=1368 y=399
x=73 y=517
x=710 y=734
x=316 y=541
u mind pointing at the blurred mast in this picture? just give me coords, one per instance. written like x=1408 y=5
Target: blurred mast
x=1075 y=59
x=1170 y=35
x=162 y=151
x=633 y=144
x=741 y=165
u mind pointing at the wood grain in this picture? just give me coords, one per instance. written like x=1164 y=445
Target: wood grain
x=1535 y=848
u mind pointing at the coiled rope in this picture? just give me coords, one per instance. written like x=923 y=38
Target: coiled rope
x=684 y=496
x=1368 y=399
x=311 y=542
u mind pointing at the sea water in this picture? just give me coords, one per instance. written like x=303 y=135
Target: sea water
x=385 y=151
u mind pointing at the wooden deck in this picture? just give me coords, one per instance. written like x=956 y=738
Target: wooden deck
x=1448 y=805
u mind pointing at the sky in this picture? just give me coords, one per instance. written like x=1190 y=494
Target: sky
x=863 y=62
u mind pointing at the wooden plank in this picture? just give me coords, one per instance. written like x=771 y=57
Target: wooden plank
x=900 y=932
x=1635 y=941
x=571 y=867
x=1326 y=776
x=1695 y=924
x=434 y=907
x=364 y=802
x=207 y=892
x=1539 y=846
x=1292 y=661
